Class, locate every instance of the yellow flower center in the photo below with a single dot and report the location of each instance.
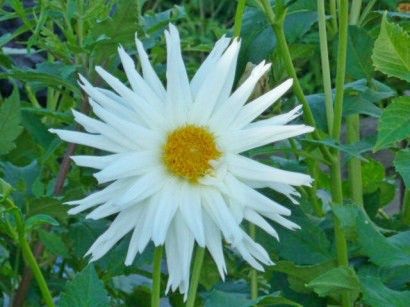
(188, 151)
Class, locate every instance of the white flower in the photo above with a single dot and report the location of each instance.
(175, 172)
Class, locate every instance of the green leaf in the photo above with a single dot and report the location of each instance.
(9, 122)
(218, 298)
(85, 290)
(391, 51)
(336, 281)
(402, 165)
(37, 220)
(359, 64)
(299, 275)
(49, 206)
(54, 243)
(5, 188)
(394, 123)
(274, 299)
(376, 294)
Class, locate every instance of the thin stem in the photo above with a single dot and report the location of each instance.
(277, 23)
(254, 274)
(29, 257)
(366, 11)
(406, 208)
(324, 55)
(240, 9)
(355, 11)
(341, 68)
(196, 273)
(156, 277)
(334, 15)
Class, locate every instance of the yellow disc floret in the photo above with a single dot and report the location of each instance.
(188, 151)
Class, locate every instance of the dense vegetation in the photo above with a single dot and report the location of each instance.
(350, 62)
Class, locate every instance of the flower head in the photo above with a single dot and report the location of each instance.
(174, 171)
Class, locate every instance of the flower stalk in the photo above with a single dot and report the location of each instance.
(196, 273)
(240, 9)
(156, 277)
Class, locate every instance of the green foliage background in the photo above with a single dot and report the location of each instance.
(46, 45)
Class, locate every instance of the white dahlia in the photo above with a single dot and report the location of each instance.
(174, 174)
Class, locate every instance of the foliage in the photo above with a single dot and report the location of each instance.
(46, 44)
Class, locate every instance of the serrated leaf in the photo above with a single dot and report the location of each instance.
(85, 290)
(402, 165)
(394, 123)
(335, 281)
(54, 243)
(391, 51)
(376, 294)
(9, 122)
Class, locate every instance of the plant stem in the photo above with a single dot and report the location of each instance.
(406, 208)
(336, 175)
(366, 11)
(324, 55)
(341, 68)
(332, 5)
(277, 23)
(240, 9)
(254, 274)
(156, 277)
(196, 272)
(353, 132)
(29, 257)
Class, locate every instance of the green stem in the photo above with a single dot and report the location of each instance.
(366, 11)
(277, 23)
(341, 68)
(406, 208)
(336, 175)
(240, 9)
(324, 55)
(333, 10)
(196, 272)
(354, 164)
(29, 257)
(254, 274)
(355, 11)
(156, 277)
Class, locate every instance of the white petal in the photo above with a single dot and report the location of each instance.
(216, 82)
(173, 260)
(136, 235)
(242, 140)
(259, 221)
(214, 244)
(281, 119)
(282, 221)
(240, 192)
(256, 250)
(191, 211)
(148, 72)
(167, 205)
(209, 64)
(121, 225)
(229, 109)
(91, 140)
(97, 162)
(216, 207)
(254, 108)
(249, 169)
(149, 113)
(127, 165)
(141, 136)
(178, 90)
(137, 83)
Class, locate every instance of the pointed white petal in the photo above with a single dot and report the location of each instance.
(136, 235)
(281, 119)
(92, 140)
(97, 162)
(249, 169)
(127, 165)
(215, 81)
(282, 221)
(242, 140)
(209, 64)
(253, 109)
(259, 221)
(229, 109)
(148, 72)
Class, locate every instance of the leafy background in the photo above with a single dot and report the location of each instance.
(44, 45)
